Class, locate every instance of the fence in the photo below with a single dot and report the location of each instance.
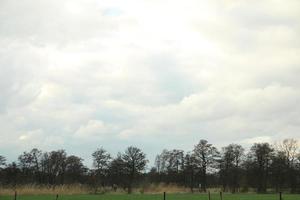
(164, 196)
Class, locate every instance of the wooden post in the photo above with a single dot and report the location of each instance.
(57, 197)
(221, 195)
(15, 198)
(280, 195)
(208, 195)
(164, 195)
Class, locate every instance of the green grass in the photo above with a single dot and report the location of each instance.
(157, 197)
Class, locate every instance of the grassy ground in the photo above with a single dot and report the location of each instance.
(156, 197)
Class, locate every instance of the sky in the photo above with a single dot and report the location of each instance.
(156, 74)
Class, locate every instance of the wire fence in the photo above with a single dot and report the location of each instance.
(163, 196)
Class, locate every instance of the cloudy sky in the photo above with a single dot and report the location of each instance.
(79, 74)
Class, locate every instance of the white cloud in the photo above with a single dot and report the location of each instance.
(260, 139)
(79, 72)
(31, 137)
(93, 129)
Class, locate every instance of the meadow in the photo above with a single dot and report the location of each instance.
(214, 196)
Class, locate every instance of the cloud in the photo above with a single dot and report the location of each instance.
(154, 74)
(260, 139)
(93, 129)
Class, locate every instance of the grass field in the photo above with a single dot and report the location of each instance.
(156, 197)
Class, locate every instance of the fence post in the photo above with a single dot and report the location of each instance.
(164, 195)
(57, 197)
(221, 195)
(280, 195)
(208, 195)
(15, 195)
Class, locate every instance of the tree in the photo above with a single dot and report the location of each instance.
(135, 162)
(260, 158)
(289, 149)
(101, 159)
(12, 174)
(75, 169)
(162, 162)
(190, 169)
(176, 160)
(29, 162)
(117, 172)
(206, 155)
(25, 164)
(278, 170)
(54, 166)
(2, 164)
(2, 161)
(230, 162)
(158, 164)
(170, 164)
(261, 168)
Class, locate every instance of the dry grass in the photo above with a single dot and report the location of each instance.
(159, 188)
(37, 190)
(83, 189)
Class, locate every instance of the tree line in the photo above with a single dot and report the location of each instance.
(264, 167)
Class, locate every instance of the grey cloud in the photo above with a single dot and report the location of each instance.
(47, 22)
(19, 68)
(73, 77)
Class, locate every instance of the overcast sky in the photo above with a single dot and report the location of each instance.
(80, 74)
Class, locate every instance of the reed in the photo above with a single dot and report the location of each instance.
(43, 189)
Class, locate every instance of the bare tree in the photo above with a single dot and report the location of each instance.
(176, 160)
(75, 169)
(101, 160)
(117, 172)
(162, 161)
(289, 148)
(207, 156)
(12, 173)
(260, 159)
(190, 169)
(230, 162)
(54, 165)
(279, 170)
(29, 162)
(2, 161)
(135, 162)
(158, 164)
